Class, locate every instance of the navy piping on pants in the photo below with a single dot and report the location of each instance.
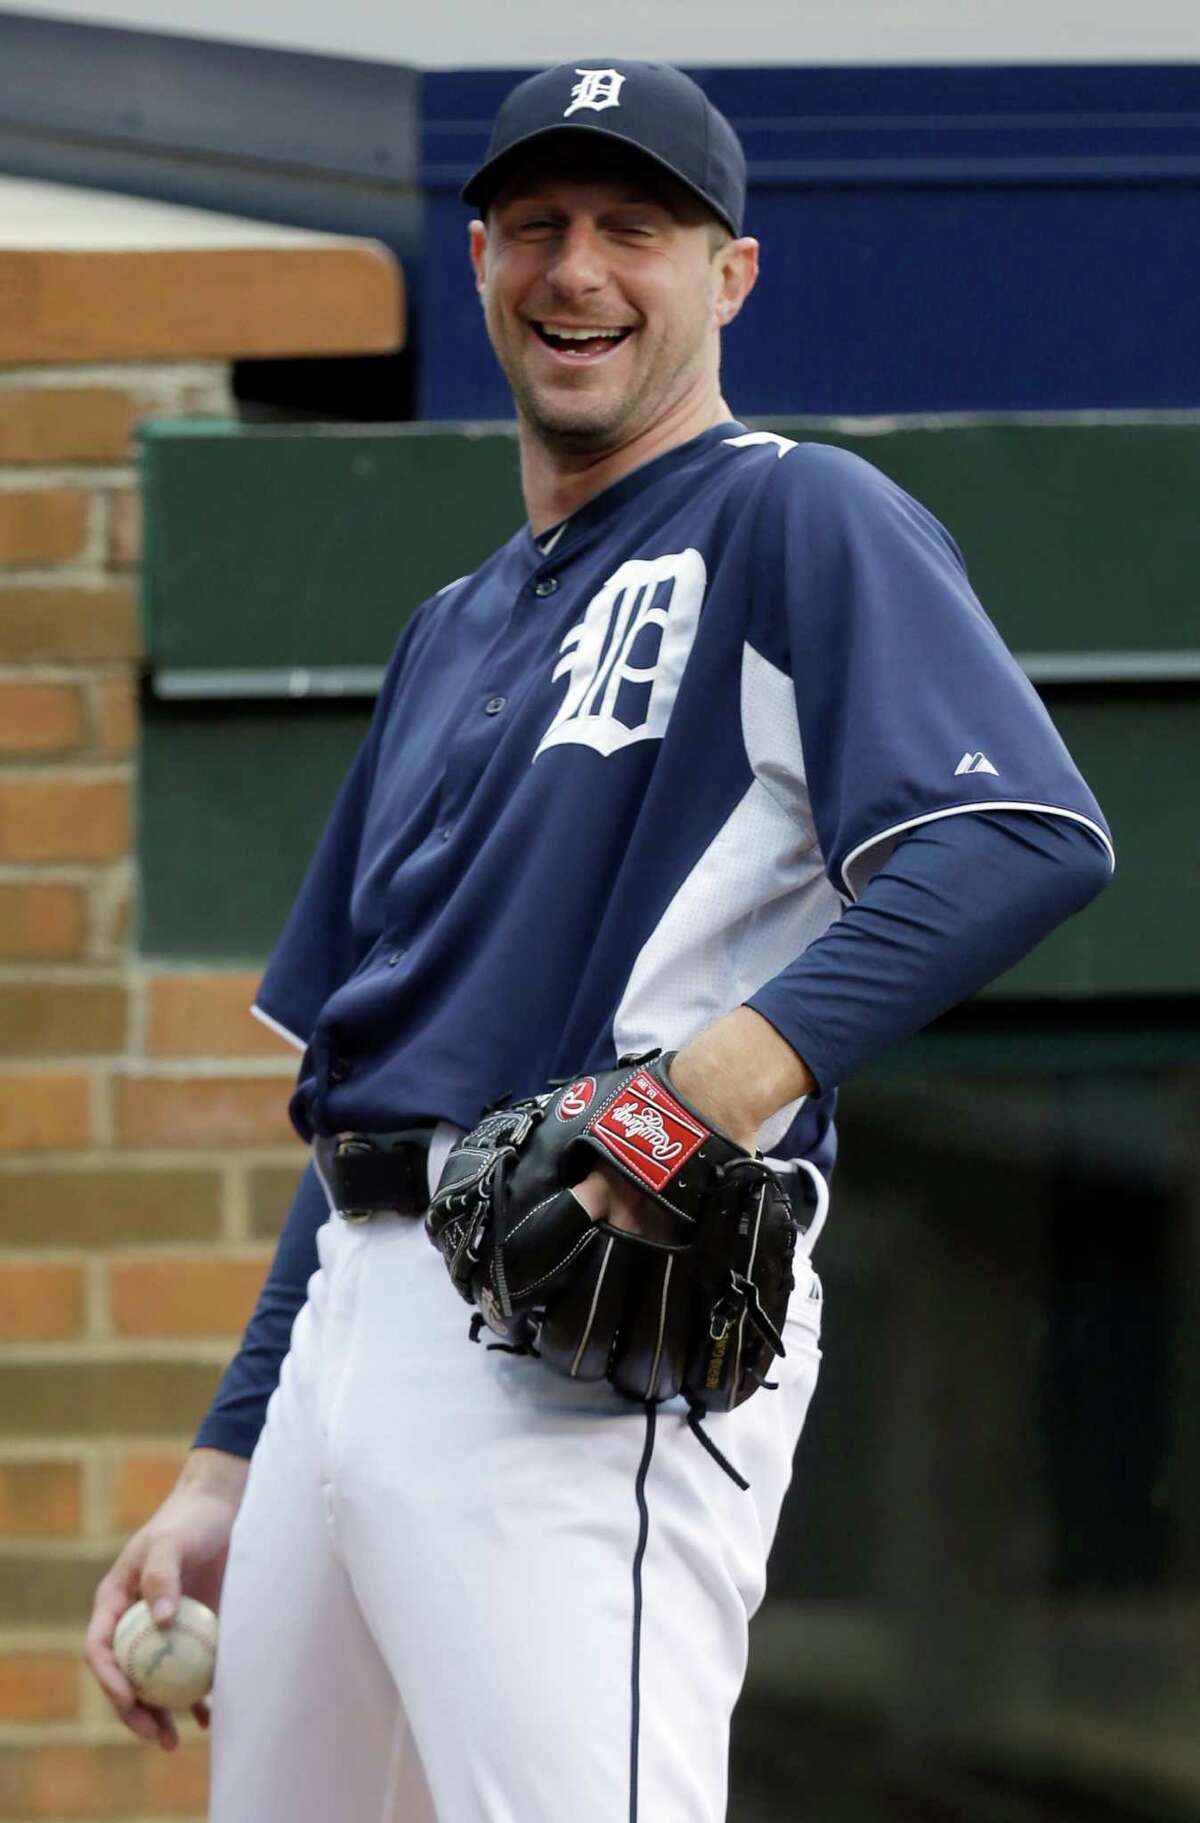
(638, 1556)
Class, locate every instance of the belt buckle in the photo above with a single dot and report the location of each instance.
(352, 1143)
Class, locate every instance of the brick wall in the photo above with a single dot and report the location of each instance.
(145, 1158)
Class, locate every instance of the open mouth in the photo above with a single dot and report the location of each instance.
(584, 343)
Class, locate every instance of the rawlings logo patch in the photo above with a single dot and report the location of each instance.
(574, 1101)
(647, 1131)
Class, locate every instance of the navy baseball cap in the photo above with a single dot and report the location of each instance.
(650, 107)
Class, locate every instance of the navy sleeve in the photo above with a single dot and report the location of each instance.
(910, 706)
(958, 902)
(239, 1407)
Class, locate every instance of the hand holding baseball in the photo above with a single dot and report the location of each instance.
(169, 1665)
(182, 1547)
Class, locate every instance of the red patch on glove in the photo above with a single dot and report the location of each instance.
(647, 1131)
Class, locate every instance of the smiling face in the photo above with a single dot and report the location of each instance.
(605, 285)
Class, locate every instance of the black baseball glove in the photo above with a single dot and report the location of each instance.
(695, 1305)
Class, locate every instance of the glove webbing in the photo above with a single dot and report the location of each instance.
(741, 1302)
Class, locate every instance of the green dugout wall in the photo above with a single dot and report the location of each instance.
(282, 562)
(976, 1596)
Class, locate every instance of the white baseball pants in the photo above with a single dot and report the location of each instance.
(465, 1589)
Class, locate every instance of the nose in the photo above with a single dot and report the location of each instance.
(578, 266)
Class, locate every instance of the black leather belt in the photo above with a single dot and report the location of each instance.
(377, 1173)
(388, 1174)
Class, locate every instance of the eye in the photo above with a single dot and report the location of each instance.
(636, 228)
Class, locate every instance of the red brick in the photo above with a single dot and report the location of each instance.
(54, 623)
(270, 1190)
(40, 1113)
(116, 716)
(125, 529)
(56, 818)
(69, 1781)
(39, 1590)
(42, 921)
(181, 1297)
(116, 933)
(42, 525)
(218, 1111)
(40, 1499)
(137, 1399)
(65, 424)
(40, 1303)
(61, 1018)
(38, 1687)
(208, 1015)
(175, 1783)
(140, 1486)
(109, 1205)
(40, 718)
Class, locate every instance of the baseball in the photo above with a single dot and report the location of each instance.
(171, 1667)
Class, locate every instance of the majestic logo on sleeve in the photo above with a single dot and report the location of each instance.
(597, 89)
(625, 659)
(975, 762)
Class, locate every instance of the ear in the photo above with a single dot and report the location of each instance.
(736, 275)
(477, 240)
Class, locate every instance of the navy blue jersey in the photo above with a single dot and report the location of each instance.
(614, 789)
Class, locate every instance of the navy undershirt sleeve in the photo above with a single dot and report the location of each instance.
(959, 901)
(239, 1407)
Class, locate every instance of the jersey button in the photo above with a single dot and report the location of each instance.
(339, 1069)
(397, 955)
(494, 705)
(546, 586)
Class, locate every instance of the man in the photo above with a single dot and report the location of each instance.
(718, 754)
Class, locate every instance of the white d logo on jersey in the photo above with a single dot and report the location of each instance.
(653, 605)
(598, 89)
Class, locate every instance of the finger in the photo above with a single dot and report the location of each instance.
(161, 1580)
(98, 1652)
(111, 1679)
(580, 1323)
(610, 1198)
(140, 1718)
(143, 1721)
(150, 1723)
(115, 1592)
(168, 1733)
(592, 1195)
(202, 1713)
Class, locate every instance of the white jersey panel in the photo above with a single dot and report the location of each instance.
(756, 898)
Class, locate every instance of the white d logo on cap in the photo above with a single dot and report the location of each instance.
(596, 89)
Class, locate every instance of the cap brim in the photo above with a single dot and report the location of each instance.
(482, 186)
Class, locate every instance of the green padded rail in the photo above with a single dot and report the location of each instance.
(282, 562)
(233, 799)
(280, 549)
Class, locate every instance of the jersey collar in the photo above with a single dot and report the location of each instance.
(604, 506)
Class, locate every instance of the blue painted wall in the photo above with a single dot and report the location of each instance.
(935, 239)
(958, 238)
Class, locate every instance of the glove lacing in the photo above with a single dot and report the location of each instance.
(740, 1302)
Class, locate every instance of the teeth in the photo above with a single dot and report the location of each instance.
(580, 335)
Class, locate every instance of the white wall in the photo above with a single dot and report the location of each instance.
(530, 32)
